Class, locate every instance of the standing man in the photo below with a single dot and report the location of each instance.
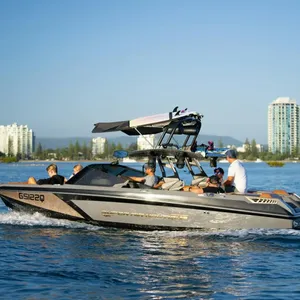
(237, 175)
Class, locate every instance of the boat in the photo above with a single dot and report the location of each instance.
(258, 160)
(223, 161)
(102, 194)
(129, 160)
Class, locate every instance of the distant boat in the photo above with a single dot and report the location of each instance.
(129, 160)
(223, 161)
(258, 160)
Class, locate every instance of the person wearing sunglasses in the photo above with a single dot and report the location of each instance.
(213, 185)
(219, 172)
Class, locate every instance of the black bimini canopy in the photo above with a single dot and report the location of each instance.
(124, 126)
(146, 125)
(111, 126)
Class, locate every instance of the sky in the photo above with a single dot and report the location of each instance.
(68, 64)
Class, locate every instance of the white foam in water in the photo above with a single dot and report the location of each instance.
(257, 232)
(238, 233)
(37, 219)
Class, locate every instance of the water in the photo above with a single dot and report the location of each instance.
(44, 258)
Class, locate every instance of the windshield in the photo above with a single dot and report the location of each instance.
(103, 175)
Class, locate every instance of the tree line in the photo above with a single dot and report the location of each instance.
(252, 152)
(83, 151)
(79, 151)
(74, 151)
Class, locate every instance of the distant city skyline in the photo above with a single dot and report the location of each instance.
(66, 65)
(271, 129)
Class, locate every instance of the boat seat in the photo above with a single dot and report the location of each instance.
(122, 184)
(200, 182)
(172, 184)
(100, 181)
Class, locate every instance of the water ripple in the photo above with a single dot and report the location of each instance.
(43, 258)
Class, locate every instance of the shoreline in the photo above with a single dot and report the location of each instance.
(144, 161)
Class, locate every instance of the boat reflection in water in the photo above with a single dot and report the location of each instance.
(193, 264)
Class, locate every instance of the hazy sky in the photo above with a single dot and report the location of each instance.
(67, 64)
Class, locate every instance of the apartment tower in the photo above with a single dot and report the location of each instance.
(145, 142)
(98, 145)
(283, 126)
(16, 139)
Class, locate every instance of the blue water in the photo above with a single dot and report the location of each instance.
(44, 258)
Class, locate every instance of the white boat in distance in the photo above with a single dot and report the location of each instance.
(129, 160)
(223, 161)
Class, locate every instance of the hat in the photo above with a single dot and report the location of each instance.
(231, 153)
(148, 166)
(219, 170)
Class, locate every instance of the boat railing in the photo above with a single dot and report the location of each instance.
(188, 127)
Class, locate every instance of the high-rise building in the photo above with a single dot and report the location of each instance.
(16, 139)
(98, 145)
(145, 142)
(283, 125)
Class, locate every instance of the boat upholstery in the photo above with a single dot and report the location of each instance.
(200, 182)
(172, 184)
(121, 185)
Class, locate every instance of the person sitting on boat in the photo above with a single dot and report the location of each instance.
(237, 175)
(76, 169)
(150, 179)
(213, 185)
(219, 172)
(54, 178)
(205, 181)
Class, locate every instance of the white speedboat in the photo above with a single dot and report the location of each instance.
(102, 194)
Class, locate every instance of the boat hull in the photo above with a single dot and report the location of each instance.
(147, 208)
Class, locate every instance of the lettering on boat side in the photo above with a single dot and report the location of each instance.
(107, 213)
(33, 197)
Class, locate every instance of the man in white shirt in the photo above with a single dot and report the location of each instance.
(237, 175)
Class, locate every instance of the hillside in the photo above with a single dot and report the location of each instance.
(53, 143)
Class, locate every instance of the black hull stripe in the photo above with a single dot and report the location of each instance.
(107, 198)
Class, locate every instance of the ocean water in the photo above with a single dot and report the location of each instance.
(44, 258)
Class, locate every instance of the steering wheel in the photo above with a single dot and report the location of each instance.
(133, 184)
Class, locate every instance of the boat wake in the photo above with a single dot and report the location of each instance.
(37, 219)
(234, 234)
